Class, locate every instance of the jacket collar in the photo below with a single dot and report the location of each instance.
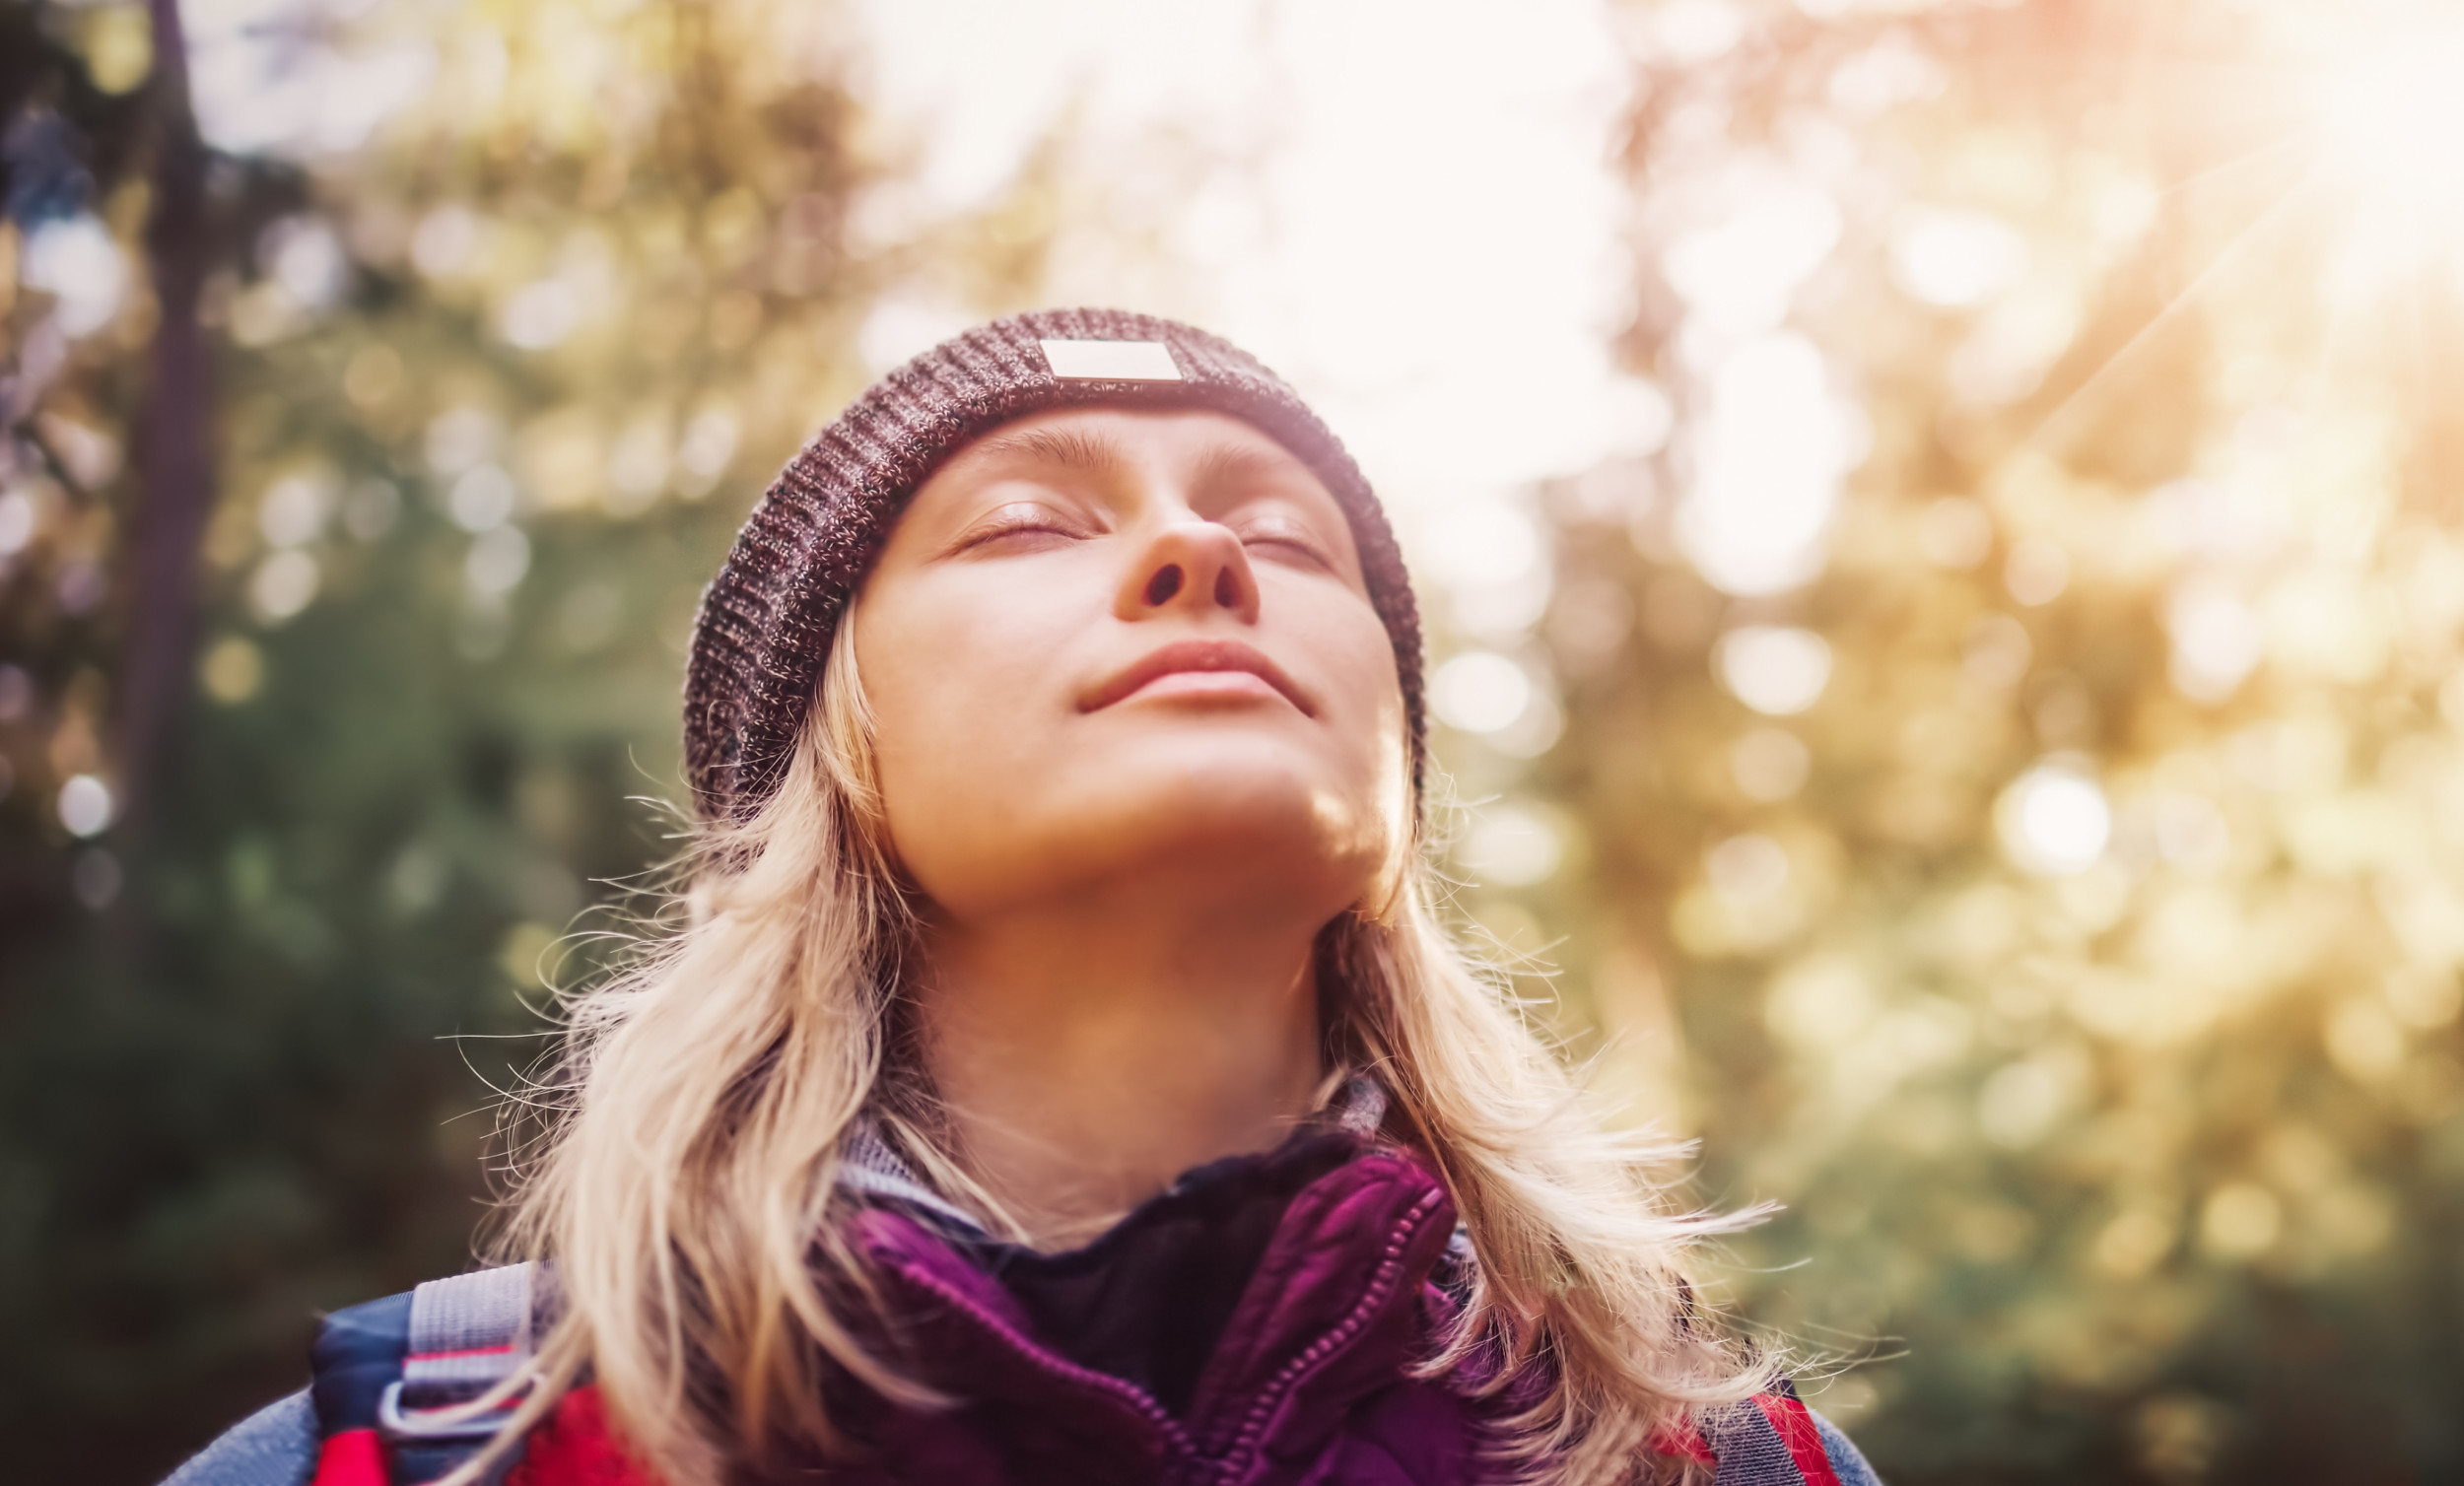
(1338, 1307)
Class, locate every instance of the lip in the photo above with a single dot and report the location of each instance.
(1197, 658)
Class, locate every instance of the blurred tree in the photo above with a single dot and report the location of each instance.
(510, 308)
(2021, 736)
(175, 477)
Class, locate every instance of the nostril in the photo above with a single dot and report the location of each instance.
(1165, 583)
(1227, 590)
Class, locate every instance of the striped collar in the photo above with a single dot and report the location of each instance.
(871, 1169)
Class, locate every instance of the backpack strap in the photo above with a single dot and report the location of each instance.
(467, 1334)
(274, 1446)
(1769, 1440)
(1772, 1439)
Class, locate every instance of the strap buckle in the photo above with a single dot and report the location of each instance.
(400, 1422)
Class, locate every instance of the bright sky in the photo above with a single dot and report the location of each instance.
(1424, 239)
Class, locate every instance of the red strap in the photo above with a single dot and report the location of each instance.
(1795, 1423)
(499, 1351)
(575, 1446)
(1682, 1441)
(352, 1458)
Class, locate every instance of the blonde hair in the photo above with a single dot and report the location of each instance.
(685, 1183)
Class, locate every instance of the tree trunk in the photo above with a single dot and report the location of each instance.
(174, 445)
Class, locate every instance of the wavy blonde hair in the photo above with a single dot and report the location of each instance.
(684, 1183)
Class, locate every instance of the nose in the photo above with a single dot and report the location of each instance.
(1189, 567)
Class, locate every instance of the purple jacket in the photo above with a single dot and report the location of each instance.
(1307, 1378)
(1258, 1324)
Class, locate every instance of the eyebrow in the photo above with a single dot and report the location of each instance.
(1065, 447)
(1232, 463)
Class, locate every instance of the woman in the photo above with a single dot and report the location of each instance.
(1059, 1072)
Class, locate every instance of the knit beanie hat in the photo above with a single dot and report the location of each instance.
(768, 619)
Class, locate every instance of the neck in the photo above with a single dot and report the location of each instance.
(1085, 1058)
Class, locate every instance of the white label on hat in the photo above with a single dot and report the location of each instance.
(1111, 360)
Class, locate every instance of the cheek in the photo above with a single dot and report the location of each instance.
(1359, 668)
(1364, 699)
(959, 687)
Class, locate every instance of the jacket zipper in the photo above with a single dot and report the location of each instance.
(1382, 1284)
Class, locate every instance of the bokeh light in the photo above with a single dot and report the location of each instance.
(1775, 670)
(1480, 692)
(85, 805)
(2055, 820)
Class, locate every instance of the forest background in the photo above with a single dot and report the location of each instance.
(1968, 726)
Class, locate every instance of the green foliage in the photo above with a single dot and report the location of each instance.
(2136, 1156)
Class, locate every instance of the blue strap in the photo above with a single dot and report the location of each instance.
(274, 1446)
(1847, 1462)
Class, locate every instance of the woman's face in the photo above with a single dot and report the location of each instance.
(1128, 653)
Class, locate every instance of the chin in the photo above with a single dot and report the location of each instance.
(1244, 819)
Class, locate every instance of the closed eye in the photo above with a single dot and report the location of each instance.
(1019, 525)
(1286, 542)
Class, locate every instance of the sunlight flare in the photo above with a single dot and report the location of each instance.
(2396, 114)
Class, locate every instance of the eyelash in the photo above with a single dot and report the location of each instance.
(1293, 541)
(1034, 524)
(1019, 526)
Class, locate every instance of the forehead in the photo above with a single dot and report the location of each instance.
(1095, 437)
